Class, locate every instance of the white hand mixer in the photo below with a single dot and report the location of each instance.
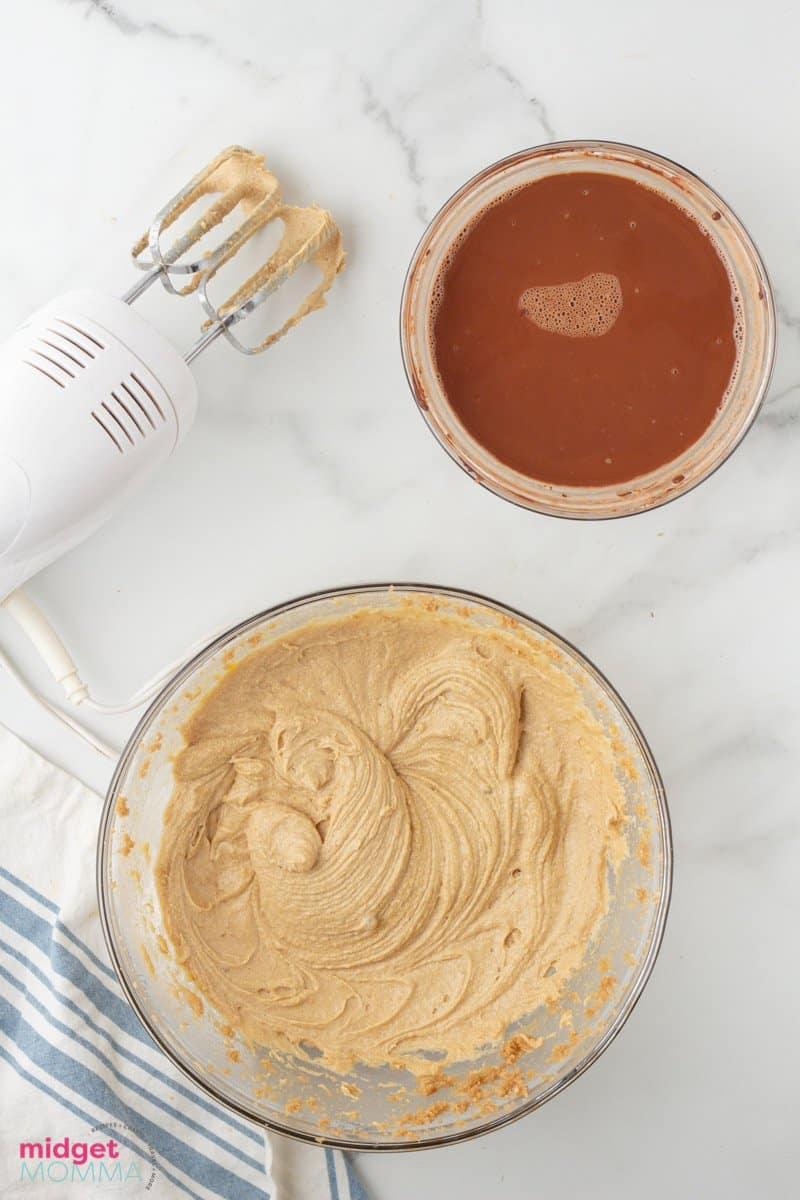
(93, 397)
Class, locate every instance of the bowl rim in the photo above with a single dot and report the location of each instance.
(664, 832)
(503, 491)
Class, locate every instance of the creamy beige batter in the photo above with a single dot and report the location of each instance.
(390, 833)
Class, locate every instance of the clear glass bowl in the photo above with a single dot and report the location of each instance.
(232, 1071)
(733, 244)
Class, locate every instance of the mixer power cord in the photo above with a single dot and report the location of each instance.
(61, 666)
(97, 743)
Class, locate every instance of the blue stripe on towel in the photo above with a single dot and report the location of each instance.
(90, 954)
(90, 1120)
(71, 1073)
(29, 891)
(356, 1186)
(36, 930)
(331, 1165)
(58, 923)
(134, 1087)
(174, 1084)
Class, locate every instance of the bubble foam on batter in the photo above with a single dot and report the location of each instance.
(588, 307)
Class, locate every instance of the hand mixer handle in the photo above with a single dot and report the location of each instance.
(92, 398)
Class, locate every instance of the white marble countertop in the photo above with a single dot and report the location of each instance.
(310, 467)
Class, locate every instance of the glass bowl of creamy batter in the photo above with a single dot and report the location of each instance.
(588, 329)
(385, 867)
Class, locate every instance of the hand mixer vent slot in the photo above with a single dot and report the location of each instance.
(53, 363)
(44, 372)
(60, 355)
(132, 399)
(145, 391)
(130, 414)
(78, 351)
(83, 334)
(117, 421)
(106, 431)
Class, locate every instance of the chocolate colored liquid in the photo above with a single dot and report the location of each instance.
(585, 330)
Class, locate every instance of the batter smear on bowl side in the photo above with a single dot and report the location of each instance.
(390, 834)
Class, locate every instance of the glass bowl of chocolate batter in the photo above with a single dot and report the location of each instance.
(587, 329)
(385, 867)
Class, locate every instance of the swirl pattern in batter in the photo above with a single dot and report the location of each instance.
(390, 834)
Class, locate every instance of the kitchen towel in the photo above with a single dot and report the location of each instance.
(86, 1098)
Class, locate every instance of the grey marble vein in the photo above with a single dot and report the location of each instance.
(381, 114)
(538, 107)
(127, 26)
(774, 415)
(785, 316)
